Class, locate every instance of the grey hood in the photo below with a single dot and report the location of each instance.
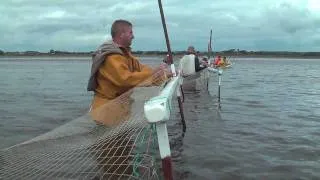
(98, 57)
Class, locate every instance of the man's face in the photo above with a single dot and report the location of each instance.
(191, 50)
(127, 36)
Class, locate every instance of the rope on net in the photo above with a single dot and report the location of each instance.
(82, 149)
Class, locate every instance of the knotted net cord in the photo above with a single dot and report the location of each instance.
(83, 149)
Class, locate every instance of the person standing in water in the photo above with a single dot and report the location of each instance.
(115, 70)
(198, 66)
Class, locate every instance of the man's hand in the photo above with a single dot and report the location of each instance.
(168, 73)
(160, 68)
(163, 71)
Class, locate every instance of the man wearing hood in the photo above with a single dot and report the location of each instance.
(198, 66)
(114, 71)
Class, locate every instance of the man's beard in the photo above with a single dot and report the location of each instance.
(129, 43)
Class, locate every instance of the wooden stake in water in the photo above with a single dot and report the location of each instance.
(219, 88)
(184, 126)
(209, 45)
(209, 55)
(170, 60)
(165, 154)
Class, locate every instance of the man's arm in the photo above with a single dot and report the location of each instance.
(159, 74)
(116, 69)
(197, 64)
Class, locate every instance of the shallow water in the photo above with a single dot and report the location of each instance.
(267, 128)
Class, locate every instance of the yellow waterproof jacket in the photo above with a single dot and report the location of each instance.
(117, 74)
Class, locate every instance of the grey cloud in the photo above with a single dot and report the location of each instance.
(236, 24)
(289, 18)
(51, 27)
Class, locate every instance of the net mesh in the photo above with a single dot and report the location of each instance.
(197, 82)
(83, 149)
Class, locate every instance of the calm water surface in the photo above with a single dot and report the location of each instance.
(268, 126)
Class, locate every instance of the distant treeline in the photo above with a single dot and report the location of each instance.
(230, 52)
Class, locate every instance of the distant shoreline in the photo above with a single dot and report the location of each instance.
(234, 53)
(156, 55)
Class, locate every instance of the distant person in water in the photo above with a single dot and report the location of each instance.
(198, 66)
(191, 50)
(205, 61)
(217, 61)
(224, 61)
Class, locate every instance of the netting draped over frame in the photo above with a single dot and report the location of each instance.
(82, 149)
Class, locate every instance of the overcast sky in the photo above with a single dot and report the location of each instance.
(82, 25)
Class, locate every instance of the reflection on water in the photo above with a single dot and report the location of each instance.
(267, 128)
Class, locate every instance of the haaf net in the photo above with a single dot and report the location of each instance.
(82, 149)
(125, 149)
